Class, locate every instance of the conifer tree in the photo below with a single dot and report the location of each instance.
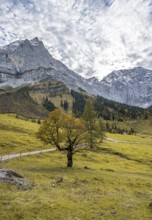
(89, 117)
(101, 128)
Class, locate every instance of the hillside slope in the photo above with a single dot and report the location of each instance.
(114, 180)
(20, 102)
(18, 135)
(36, 101)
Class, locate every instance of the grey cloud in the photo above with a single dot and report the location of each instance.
(134, 56)
(86, 35)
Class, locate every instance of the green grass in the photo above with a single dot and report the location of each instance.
(101, 185)
(132, 147)
(18, 135)
(131, 138)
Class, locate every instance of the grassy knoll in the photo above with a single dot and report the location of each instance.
(18, 135)
(19, 101)
(57, 101)
(112, 182)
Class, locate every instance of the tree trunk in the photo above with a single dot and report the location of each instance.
(91, 139)
(69, 159)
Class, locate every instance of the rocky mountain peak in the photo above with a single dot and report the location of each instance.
(93, 80)
(31, 62)
(127, 75)
(130, 86)
(28, 54)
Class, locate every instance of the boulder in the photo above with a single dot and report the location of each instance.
(11, 177)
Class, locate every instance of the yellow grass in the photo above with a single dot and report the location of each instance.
(18, 135)
(101, 185)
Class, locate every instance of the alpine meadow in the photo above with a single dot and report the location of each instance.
(75, 110)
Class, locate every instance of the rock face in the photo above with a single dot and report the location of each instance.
(13, 178)
(7, 67)
(30, 55)
(28, 61)
(131, 86)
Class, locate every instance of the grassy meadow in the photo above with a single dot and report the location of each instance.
(17, 135)
(113, 181)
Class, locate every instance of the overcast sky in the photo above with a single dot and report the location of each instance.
(92, 37)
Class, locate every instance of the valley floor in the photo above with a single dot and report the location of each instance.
(113, 181)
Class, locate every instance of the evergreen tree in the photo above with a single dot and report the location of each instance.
(65, 105)
(49, 105)
(78, 104)
(101, 129)
(89, 117)
(61, 103)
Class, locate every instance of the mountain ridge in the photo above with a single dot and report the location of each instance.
(130, 86)
(28, 61)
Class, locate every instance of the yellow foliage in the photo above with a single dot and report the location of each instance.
(63, 130)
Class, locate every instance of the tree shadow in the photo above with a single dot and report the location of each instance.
(59, 170)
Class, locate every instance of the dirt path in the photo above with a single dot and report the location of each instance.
(11, 156)
(129, 142)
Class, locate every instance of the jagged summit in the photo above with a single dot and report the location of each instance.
(27, 61)
(14, 45)
(130, 86)
(93, 80)
(29, 54)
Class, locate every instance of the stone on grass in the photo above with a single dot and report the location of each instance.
(59, 179)
(150, 205)
(11, 177)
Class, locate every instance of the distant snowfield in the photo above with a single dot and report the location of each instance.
(92, 37)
